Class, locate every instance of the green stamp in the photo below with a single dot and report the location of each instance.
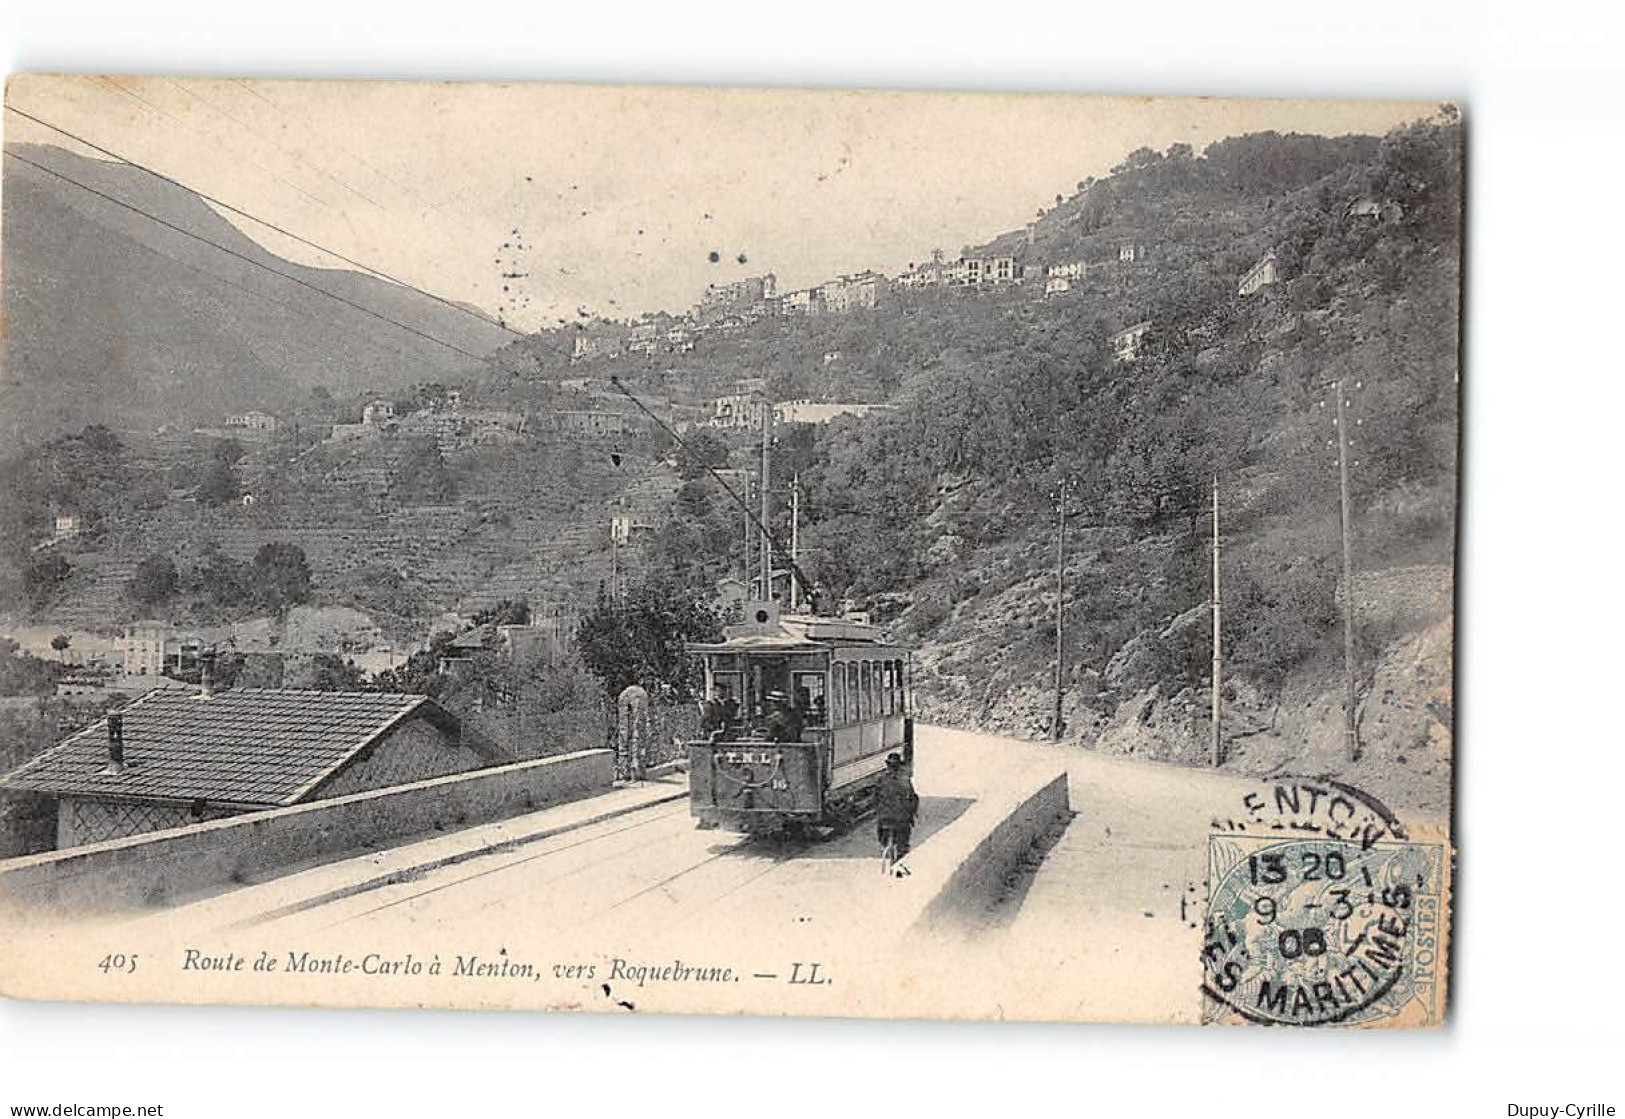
(1323, 930)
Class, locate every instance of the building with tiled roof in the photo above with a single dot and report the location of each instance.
(173, 757)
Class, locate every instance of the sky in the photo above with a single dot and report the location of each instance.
(535, 201)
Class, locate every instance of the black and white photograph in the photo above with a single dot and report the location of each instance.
(600, 618)
(695, 570)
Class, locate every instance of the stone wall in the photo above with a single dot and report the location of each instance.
(167, 867)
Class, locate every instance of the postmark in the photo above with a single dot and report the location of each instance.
(1322, 913)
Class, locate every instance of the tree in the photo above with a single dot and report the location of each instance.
(155, 580)
(223, 580)
(642, 639)
(60, 643)
(280, 576)
(44, 576)
(423, 477)
(218, 485)
(701, 450)
(326, 672)
(508, 612)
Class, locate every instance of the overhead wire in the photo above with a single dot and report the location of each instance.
(378, 272)
(244, 257)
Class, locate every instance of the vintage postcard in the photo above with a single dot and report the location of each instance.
(728, 551)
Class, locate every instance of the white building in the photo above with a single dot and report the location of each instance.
(1126, 343)
(253, 421)
(141, 649)
(1069, 270)
(377, 412)
(819, 411)
(1259, 275)
(1057, 285)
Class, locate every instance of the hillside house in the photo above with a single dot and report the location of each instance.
(586, 423)
(819, 411)
(737, 410)
(173, 758)
(253, 422)
(377, 412)
(1259, 275)
(65, 526)
(1129, 252)
(1067, 270)
(796, 303)
(1126, 342)
(1057, 285)
(541, 639)
(142, 649)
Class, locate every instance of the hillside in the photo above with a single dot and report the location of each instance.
(940, 516)
(113, 318)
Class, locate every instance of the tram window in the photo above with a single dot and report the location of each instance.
(866, 702)
(809, 696)
(838, 694)
(854, 694)
(902, 690)
(732, 683)
(891, 688)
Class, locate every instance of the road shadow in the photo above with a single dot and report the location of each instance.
(859, 842)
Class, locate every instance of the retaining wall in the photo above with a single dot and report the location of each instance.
(165, 867)
(966, 865)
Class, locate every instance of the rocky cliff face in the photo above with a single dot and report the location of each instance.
(1131, 707)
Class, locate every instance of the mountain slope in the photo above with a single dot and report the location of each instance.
(111, 317)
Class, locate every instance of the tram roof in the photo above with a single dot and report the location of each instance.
(793, 633)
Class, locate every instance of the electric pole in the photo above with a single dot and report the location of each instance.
(1217, 754)
(1060, 614)
(1350, 728)
(795, 534)
(767, 543)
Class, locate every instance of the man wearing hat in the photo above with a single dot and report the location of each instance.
(896, 805)
(784, 723)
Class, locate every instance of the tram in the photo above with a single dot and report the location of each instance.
(849, 688)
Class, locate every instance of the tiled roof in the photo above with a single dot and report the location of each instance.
(247, 746)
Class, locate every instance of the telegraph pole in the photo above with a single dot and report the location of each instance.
(1060, 614)
(1217, 755)
(767, 544)
(795, 533)
(1350, 729)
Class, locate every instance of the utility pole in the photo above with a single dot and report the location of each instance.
(767, 544)
(614, 561)
(1060, 614)
(795, 535)
(1350, 729)
(1217, 755)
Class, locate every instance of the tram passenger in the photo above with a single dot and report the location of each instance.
(719, 713)
(784, 722)
(896, 806)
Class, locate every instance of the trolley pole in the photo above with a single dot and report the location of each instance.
(1217, 749)
(767, 544)
(1060, 614)
(1350, 728)
(795, 534)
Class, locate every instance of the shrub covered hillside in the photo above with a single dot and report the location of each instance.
(941, 514)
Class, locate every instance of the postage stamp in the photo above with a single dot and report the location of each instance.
(1320, 915)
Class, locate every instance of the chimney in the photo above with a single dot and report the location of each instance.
(206, 673)
(115, 743)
